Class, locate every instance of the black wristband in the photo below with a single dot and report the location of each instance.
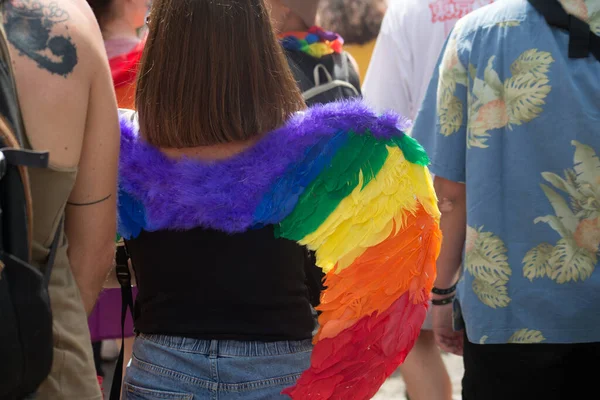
(441, 292)
(443, 302)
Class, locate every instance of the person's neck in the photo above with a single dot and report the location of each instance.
(294, 24)
(118, 29)
(216, 152)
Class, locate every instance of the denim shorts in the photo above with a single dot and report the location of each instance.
(170, 367)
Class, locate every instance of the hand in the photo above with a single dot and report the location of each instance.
(445, 336)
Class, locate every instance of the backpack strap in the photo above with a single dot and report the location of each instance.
(344, 70)
(582, 41)
(124, 278)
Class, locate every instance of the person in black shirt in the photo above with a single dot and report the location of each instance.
(225, 176)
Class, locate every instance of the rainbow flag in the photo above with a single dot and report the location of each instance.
(342, 181)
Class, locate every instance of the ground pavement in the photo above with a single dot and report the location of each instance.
(394, 388)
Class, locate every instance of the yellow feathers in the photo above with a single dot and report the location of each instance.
(365, 217)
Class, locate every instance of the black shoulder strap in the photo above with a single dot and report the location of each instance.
(124, 277)
(582, 41)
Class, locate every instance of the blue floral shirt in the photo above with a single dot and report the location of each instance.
(511, 116)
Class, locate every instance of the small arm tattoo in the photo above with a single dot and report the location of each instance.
(28, 25)
(91, 203)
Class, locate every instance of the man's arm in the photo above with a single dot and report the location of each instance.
(445, 140)
(452, 204)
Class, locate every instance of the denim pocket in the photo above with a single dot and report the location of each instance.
(133, 392)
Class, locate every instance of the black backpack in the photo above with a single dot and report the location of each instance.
(25, 317)
(326, 79)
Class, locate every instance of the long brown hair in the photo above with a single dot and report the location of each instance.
(212, 72)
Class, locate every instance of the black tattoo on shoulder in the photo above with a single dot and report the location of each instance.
(28, 25)
(91, 203)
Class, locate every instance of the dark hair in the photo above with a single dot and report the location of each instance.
(357, 21)
(101, 9)
(212, 72)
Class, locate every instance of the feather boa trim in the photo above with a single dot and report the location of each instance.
(344, 182)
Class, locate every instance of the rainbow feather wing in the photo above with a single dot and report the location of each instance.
(371, 216)
(340, 180)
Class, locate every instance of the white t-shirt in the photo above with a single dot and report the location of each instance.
(412, 35)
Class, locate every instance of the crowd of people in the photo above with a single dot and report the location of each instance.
(307, 196)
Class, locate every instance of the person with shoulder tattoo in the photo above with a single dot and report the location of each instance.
(69, 109)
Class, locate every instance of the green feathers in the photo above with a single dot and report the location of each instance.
(362, 153)
(413, 151)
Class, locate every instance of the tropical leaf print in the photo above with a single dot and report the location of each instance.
(487, 110)
(451, 115)
(524, 97)
(577, 222)
(526, 91)
(571, 263)
(491, 116)
(494, 104)
(587, 235)
(535, 263)
(526, 336)
(568, 220)
(452, 73)
(532, 62)
(477, 137)
(568, 185)
(587, 165)
(487, 258)
(492, 294)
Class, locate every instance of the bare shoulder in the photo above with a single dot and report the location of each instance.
(53, 34)
(57, 53)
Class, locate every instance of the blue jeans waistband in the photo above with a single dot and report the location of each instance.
(231, 348)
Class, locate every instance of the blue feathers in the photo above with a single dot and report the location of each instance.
(281, 199)
(132, 216)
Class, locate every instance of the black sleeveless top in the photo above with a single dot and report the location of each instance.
(208, 284)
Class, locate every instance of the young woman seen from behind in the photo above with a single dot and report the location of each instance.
(224, 176)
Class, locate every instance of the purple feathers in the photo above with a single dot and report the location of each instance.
(224, 195)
